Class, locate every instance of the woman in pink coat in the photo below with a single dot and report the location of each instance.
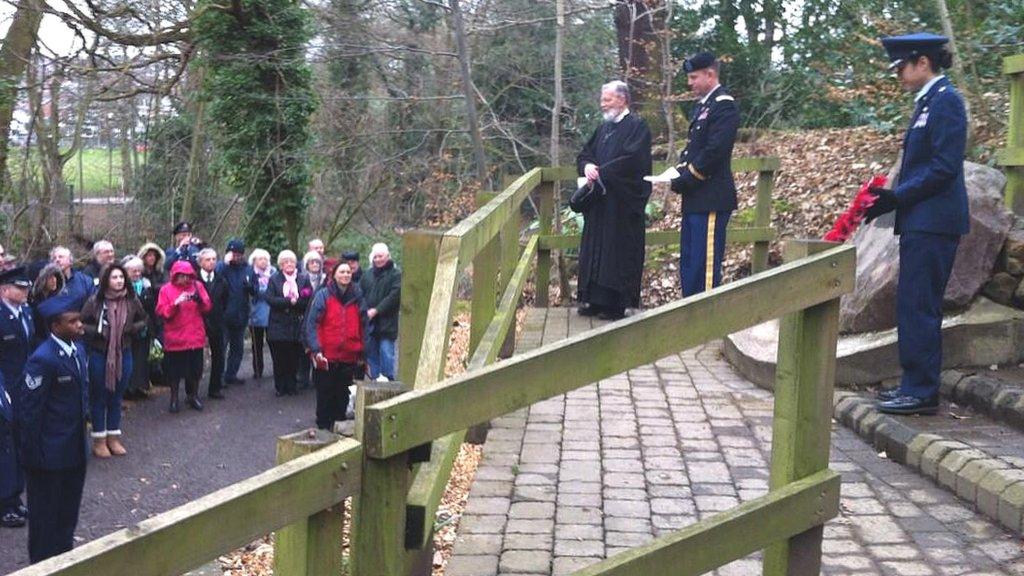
(182, 303)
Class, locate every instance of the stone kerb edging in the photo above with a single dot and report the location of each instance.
(992, 485)
(986, 394)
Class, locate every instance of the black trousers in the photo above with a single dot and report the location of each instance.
(187, 364)
(215, 340)
(258, 336)
(286, 356)
(54, 498)
(332, 393)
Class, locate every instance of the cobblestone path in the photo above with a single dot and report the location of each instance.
(578, 478)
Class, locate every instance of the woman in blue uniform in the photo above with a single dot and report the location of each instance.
(930, 200)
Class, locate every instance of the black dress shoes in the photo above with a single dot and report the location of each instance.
(617, 314)
(588, 310)
(12, 519)
(173, 409)
(195, 404)
(890, 394)
(909, 405)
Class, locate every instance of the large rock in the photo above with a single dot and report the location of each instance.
(872, 305)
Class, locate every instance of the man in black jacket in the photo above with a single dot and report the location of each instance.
(382, 288)
(705, 181)
(217, 287)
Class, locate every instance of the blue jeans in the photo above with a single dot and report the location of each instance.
(106, 405)
(380, 357)
(235, 341)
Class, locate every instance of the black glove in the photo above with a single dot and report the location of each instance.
(885, 202)
(685, 182)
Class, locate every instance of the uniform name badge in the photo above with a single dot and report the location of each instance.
(922, 120)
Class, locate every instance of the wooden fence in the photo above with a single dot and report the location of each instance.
(1011, 158)
(397, 468)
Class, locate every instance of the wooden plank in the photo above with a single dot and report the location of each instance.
(1013, 195)
(378, 512)
(1010, 157)
(485, 291)
(730, 535)
(801, 425)
(483, 225)
(746, 164)
(312, 545)
(419, 264)
(181, 539)
(762, 219)
(427, 489)
(734, 235)
(505, 317)
(434, 344)
(1013, 64)
(477, 396)
(547, 200)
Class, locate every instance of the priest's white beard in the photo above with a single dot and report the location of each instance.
(611, 115)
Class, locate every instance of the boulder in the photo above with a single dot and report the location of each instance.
(872, 305)
(1012, 257)
(1001, 287)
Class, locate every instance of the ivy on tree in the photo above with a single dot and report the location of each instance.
(259, 97)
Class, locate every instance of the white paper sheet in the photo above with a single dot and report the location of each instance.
(666, 176)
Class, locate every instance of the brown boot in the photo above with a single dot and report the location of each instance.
(99, 448)
(115, 446)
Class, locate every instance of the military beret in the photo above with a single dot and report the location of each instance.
(350, 255)
(699, 61)
(16, 276)
(908, 46)
(183, 227)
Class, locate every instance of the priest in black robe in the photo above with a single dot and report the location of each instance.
(615, 160)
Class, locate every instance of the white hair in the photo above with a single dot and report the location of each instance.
(379, 248)
(206, 253)
(57, 250)
(102, 245)
(133, 262)
(258, 253)
(286, 255)
(619, 87)
(311, 255)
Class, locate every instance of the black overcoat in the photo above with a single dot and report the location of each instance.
(612, 248)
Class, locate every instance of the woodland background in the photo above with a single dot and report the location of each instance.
(352, 120)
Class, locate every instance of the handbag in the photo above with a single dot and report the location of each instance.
(585, 197)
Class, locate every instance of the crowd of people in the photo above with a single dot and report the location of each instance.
(75, 343)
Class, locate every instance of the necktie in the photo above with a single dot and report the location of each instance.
(24, 323)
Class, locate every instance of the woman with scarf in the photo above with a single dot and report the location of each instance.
(112, 317)
(181, 305)
(288, 294)
(334, 338)
(259, 312)
(138, 387)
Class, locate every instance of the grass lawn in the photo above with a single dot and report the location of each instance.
(101, 170)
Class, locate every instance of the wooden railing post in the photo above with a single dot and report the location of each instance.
(485, 284)
(762, 218)
(378, 513)
(803, 414)
(312, 546)
(419, 262)
(1012, 157)
(546, 192)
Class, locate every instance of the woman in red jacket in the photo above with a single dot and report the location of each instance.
(182, 304)
(333, 334)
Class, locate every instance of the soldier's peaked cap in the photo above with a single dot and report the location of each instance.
(907, 46)
(699, 61)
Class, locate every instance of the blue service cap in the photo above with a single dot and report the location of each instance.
(908, 46)
(59, 304)
(698, 61)
(17, 276)
(236, 245)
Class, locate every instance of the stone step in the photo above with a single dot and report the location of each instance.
(979, 459)
(999, 395)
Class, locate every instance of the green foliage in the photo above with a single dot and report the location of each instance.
(259, 98)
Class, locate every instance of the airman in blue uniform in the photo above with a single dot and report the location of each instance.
(931, 207)
(705, 182)
(16, 338)
(186, 247)
(50, 415)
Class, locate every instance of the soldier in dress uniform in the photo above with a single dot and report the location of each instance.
(16, 337)
(930, 201)
(186, 247)
(705, 179)
(50, 413)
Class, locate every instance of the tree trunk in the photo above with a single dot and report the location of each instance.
(14, 56)
(958, 66)
(196, 156)
(639, 26)
(479, 157)
(556, 133)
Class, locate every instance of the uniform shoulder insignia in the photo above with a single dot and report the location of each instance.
(724, 98)
(33, 382)
(943, 89)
